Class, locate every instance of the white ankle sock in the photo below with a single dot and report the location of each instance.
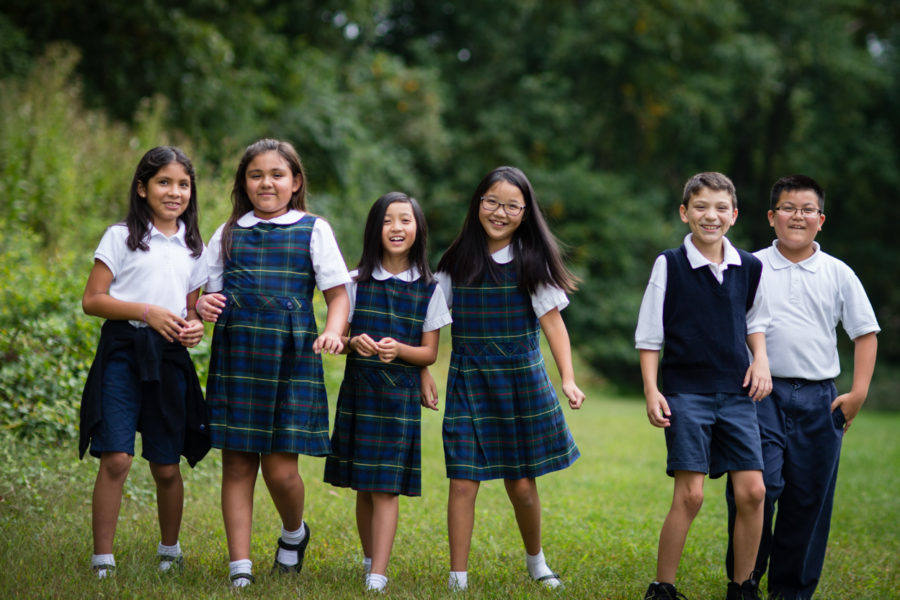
(375, 582)
(244, 565)
(459, 580)
(173, 551)
(290, 557)
(537, 568)
(101, 563)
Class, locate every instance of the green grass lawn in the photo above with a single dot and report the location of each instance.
(601, 521)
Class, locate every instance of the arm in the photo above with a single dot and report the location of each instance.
(210, 306)
(758, 376)
(657, 408)
(421, 356)
(864, 351)
(191, 335)
(558, 338)
(335, 323)
(98, 303)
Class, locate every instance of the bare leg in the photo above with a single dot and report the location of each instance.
(239, 471)
(749, 494)
(364, 510)
(523, 494)
(686, 501)
(280, 473)
(169, 500)
(383, 528)
(107, 498)
(461, 521)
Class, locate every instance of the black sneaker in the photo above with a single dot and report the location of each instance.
(299, 548)
(663, 591)
(749, 590)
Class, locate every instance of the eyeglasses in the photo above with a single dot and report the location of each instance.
(791, 210)
(491, 204)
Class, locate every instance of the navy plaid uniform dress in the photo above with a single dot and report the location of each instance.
(266, 390)
(375, 444)
(503, 418)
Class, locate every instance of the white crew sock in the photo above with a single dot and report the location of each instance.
(459, 580)
(375, 582)
(102, 564)
(537, 567)
(290, 558)
(170, 552)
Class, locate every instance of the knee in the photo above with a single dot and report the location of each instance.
(281, 479)
(689, 501)
(750, 496)
(115, 465)
(166, 476)
(522, 492)
(463, 489)
(239, 466)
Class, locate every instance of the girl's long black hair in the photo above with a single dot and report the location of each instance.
(140, 216)
(537, 257)
(373, 248)
(240, 201)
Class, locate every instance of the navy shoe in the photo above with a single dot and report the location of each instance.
(663, 591)
(300, 549)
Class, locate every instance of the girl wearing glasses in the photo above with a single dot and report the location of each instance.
(505, 280)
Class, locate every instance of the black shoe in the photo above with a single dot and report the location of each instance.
(299, 548)
(749, 590)
(663, 591)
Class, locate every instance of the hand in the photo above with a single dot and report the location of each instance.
(210, 306)
(658, 409)
(850, 404)
(165, 322)
(429, 395)
(191, 335)
(575, 395)
(329, 343)
(387, 349)
(759, 379)
(363, 345)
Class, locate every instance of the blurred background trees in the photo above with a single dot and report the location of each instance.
(608, 106)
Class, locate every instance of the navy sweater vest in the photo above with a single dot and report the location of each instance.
(705, 325)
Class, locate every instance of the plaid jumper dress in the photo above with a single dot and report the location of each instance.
(375, 443)
(503, 418)
(266, 390)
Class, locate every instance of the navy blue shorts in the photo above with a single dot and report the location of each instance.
(712, 433)
(122, 416)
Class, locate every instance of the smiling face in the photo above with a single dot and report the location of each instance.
(498, 224)
(796, 232)
(709, 215)
(168, 194)
(398, 233)
(270, 183)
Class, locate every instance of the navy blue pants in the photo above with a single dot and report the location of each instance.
(801, 443)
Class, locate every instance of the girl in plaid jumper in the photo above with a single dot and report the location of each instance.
(266, 388)
(505, 280)
(397, 311)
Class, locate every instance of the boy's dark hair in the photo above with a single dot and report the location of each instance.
(710, 180)
(373, 248)
(240, 201)
(796, 183)
(140, 216)
(535, 249)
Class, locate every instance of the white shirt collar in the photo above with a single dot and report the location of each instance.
(503, 255)
(177, 236)
(697, 260)
(409, 275)
(778, 261)
(289, 218)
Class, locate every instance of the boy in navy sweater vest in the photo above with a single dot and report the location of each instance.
(705, 305)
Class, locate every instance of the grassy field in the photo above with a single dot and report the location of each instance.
(601, 521)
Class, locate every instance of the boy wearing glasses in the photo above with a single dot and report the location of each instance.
(803, 421)
(705, 303)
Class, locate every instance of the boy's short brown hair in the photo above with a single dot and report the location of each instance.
(711, 180)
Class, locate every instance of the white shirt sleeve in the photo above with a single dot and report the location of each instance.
(438, 313)
(759, 316)
(328, 262)
(445, 282)
(111, 250)
(199, 272)
(649, 334)
(546, 298)
(215, 262)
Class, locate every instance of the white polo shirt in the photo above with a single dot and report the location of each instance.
(436, 315)
(163, 275)
(543, 300)
(807, 299)
(328, 262)
(649, 334)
